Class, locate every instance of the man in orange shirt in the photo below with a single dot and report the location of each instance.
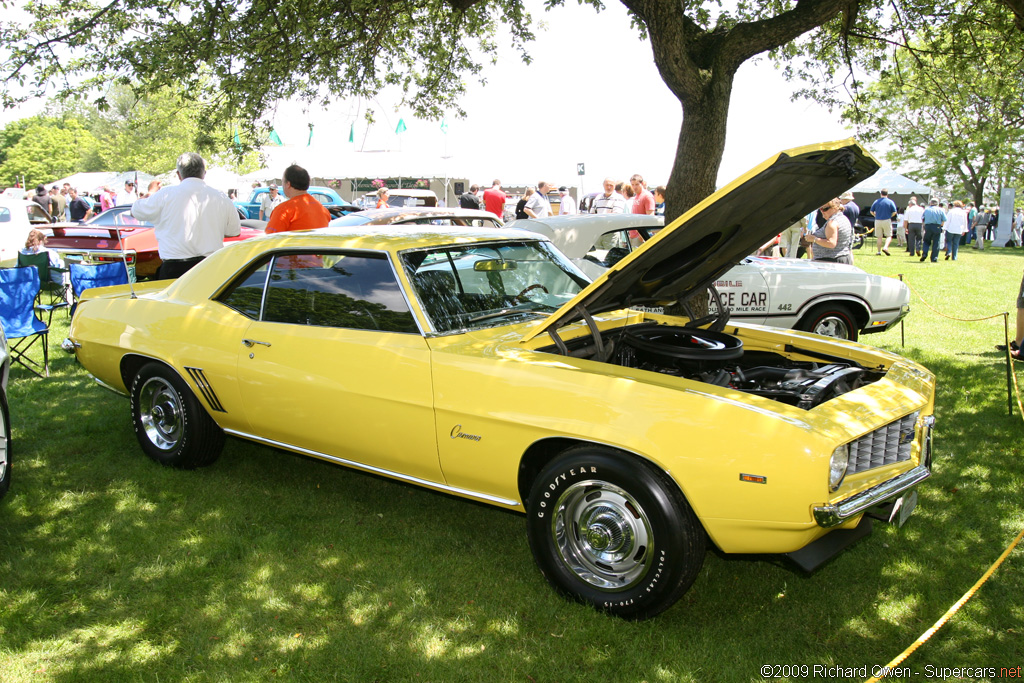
(302, 211)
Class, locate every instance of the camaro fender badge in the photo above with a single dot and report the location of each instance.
(457, 433)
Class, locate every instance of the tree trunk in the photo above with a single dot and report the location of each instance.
(701, 137)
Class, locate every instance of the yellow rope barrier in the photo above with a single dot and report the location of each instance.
(985, 577)
(940, 313)
(949, 613)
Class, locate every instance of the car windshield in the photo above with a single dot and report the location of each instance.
(484, 285)
(119, 217)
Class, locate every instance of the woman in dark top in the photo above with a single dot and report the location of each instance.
(521, 204)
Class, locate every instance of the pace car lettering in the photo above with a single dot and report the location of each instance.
(747, 301)
(728, 283)
(457, 433)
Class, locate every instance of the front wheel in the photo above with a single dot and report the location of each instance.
(170, 424)
(612, 532)
(830, 320)
(5, 446)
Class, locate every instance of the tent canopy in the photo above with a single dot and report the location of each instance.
(900, 189)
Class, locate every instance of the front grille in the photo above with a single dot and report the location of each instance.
(884, 446)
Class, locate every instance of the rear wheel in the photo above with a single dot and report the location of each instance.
(610, 531)
(5, 446)
(170, 424)
(830, 320)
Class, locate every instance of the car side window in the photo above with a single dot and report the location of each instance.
(322, 198)
(5, 214)
(246, 294)
(351, 291)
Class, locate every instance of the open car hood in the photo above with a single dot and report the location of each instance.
(694, 250)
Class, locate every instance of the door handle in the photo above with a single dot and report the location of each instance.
(252, 342)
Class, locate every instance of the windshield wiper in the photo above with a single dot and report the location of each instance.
(505, 311)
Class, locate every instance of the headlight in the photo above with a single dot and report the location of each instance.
(837, 466)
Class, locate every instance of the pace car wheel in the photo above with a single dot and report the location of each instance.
(5, 446)
(830, 320)
(170, 424)
(610, 531)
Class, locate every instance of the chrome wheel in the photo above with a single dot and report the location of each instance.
(161, 414)
(833, 325)
(602, 535)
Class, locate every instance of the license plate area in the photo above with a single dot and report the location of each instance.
(903, 507)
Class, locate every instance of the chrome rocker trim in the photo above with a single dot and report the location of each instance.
(835, 514)
(376, 470)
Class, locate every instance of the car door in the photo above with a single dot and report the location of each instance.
(745, 292)
(333, 362)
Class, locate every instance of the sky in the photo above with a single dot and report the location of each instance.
(592, 95)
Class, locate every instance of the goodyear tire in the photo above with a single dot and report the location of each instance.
(610, 531)
(170, 424)
(830, 320)
(5, 446)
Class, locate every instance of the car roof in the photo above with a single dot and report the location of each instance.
(575, 234)
(397, 214)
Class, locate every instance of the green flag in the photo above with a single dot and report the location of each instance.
(352, 132)
(401, 127)
(444, 126)
(310, 140)
(275, 139)
(238, 140)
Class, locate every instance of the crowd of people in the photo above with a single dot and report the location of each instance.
(535, 202)
(830, 233)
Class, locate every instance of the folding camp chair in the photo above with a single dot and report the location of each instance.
(51, 282)
(18, 289)
(102, 275)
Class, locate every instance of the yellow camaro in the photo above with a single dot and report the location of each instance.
(483, 363)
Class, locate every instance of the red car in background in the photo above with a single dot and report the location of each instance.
(96, 240)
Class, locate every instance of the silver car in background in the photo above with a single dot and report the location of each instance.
(832, 299)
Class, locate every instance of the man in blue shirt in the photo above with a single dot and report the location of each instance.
(934, 218)
(884, 211)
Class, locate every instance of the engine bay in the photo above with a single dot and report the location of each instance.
(717, 358)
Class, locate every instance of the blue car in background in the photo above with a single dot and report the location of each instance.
(331, 200)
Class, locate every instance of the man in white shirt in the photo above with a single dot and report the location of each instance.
(270, 201)
(567, 205)
(129, 195)
(191, 219)
(609, 202)
(537, 206)
(913, 221)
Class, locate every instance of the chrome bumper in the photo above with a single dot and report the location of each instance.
(835, 514)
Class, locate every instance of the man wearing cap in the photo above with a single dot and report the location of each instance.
(850, 208)
(567, 205)
(270, 200)
(130, 195)
(537, 206)
(884, 211)
(934, 218)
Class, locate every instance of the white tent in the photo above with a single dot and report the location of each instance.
(86, 183)
(888, 179)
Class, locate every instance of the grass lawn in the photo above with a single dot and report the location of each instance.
(268, 565)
